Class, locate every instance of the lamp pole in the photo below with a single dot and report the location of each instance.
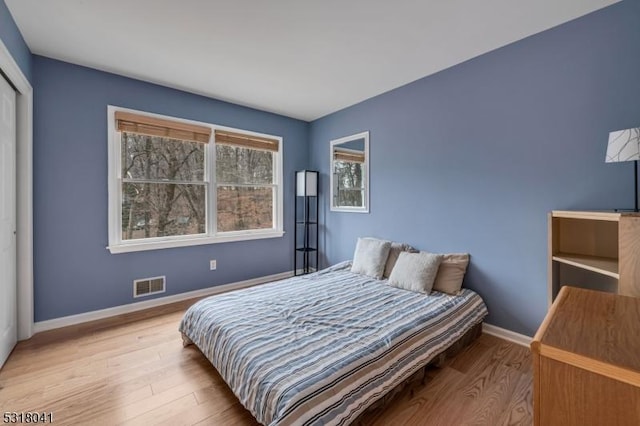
(635, 180)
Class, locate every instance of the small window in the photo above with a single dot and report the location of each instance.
(164, 191)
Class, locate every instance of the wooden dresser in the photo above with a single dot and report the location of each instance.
(586, 360)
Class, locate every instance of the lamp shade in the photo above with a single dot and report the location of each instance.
(307, 183)
(624, 145)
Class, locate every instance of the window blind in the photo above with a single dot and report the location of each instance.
(151, 126)
(225, 137)
(348, 155)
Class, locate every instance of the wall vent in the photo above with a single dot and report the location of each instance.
(149, 286)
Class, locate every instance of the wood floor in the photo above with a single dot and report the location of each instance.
(133, 370)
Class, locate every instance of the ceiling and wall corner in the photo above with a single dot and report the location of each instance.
(13, 40)
(299, 59)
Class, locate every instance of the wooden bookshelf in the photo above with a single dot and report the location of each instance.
(594, 249)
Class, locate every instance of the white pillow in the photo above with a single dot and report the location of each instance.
(415, 271)
(451, 273)
(394, 252)
(370, 257)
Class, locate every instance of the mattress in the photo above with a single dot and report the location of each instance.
(321, 348)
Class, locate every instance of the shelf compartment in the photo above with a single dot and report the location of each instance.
(583, 237)
(601, 265)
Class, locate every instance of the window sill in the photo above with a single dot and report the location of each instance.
(195, 241)
(350, 209)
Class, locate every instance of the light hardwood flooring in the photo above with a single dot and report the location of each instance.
(132, 369)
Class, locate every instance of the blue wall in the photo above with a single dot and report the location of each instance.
(473, 158)
(12, 39)
(74, 272)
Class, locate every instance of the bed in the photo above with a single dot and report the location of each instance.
(322, 348)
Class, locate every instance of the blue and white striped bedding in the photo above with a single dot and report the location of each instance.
(320, 348)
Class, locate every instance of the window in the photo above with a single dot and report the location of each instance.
(172, 184)
(244, 181)
(163, 187)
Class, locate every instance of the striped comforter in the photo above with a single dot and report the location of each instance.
(320, 348)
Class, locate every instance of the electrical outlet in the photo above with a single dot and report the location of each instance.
(212, 265)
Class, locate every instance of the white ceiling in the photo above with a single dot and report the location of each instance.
(299, 58)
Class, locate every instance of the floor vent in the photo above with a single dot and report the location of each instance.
(149, 286)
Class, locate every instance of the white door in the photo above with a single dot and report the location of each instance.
(8, 286)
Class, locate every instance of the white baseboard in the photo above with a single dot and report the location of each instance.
(511, 336)
(40, 326)
(139, 306)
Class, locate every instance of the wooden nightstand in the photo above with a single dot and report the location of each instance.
(586, 360)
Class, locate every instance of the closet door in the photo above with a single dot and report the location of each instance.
(8, 284)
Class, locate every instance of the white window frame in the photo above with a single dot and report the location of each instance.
(365, 177)
(212, 236)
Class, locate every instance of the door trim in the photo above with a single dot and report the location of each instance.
(24, 190)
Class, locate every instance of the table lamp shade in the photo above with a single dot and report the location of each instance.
(624, 145)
